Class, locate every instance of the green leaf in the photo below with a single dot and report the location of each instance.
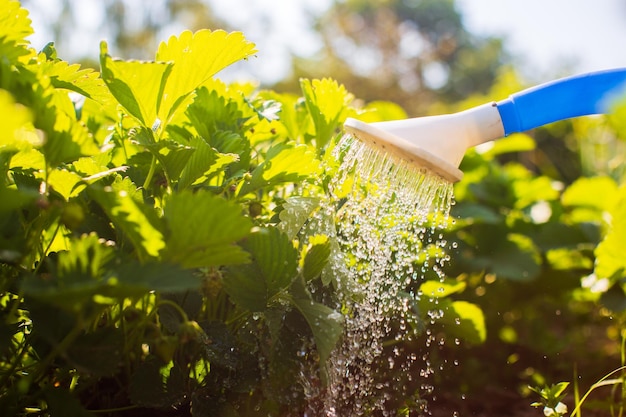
(87, 167)
(275, 256)
(12, 199)
(568, 259)
(137, 279)
(325, 323)
(465, 320)
(246, 287)
(174, 158)
(64, 182)
(557, 235)
(441, 289)
(89, 272)
(529, 191)
(475, 212)
(274, 266)
(85, 82)
(15, 27)
(200, 162)
(283, 164)
(150, 385)
(229, 143)
(598, 193)
(222, 163)
(315, 256)
(211, 112)
(516, 258)
(202, 230)
(493, 249)
(197, 57)
(68, 141)
(379, 111)
(204, 163)
(79, 274)
(17, 132)
(327, 102)
(61, 402)
(293, 114)
(296, 211)
(137, 85)
(124, 205)
(268, 110)
(610, 252)
(222, 351)
(99, 353)
(517, 142)
(614, 298)
(14, 242)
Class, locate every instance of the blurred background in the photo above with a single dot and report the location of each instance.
(412, 52)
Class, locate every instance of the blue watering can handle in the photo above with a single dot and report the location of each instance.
(580, 95)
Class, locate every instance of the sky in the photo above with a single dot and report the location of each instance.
(547, 37)
(550, 35)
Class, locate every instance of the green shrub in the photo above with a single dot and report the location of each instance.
(156, 244)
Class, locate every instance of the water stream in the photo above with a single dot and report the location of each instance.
(389, 221)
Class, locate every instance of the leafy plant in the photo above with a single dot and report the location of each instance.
(551, 399)
(161, 243)
(167, 243)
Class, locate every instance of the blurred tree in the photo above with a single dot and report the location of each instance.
(133, 28)
(412, 52)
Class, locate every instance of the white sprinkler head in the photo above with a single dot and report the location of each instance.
(435, 143)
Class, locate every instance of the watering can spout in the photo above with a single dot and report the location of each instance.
(438, 143)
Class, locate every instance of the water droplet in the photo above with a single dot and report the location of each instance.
(388, 218)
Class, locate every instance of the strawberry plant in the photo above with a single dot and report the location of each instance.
(161, 243)
(139, 249)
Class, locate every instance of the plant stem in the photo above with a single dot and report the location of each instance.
(620, 405)
(576, 388)
(178, 308)
(58, 349)
(113, 410)
(17, 360)
(47, 248)
(237, 317)
(602, 382)
(148, 180)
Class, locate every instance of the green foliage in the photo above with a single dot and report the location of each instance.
(326, 325)
(610, 261)
(16, 28)
(159, 245)
(137, 86)
(531, 242)
(551, 399)
(327, 103)
(166, 243)
(202, 230)
(283, 164)
(138, 237)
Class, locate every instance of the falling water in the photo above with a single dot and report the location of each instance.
(389, 220)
